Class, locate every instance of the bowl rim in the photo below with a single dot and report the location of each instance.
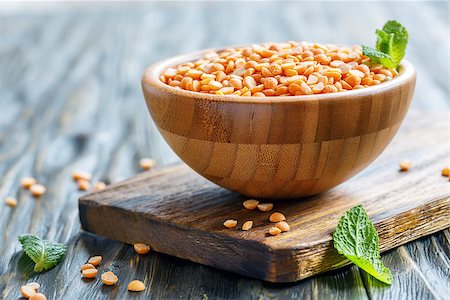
(150, 78)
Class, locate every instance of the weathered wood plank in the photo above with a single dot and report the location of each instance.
(66, 71)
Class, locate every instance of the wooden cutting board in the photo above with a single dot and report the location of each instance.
(179, 213)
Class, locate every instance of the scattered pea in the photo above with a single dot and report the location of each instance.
(265, 206)
(283, 226)
(405, 165)
(277, 217)
(34, 285)
(87, 266)
(230, 223)
(95, 260)
(99, 186)
(38, 296)
(89, 273)
(77, 175)
(11, 202)
(274, 230)
(136, 286)
(27, 291)
(83, 184)
(109, 278)
(141, 248)
(147, 163)
(247, 225)
(27, 182)
(250, 204)
(37, 190)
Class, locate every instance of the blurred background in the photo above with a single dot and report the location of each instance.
(84, 59)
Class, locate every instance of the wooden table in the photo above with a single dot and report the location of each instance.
(70, 99)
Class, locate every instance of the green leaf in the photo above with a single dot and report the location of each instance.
(384, 41)
(399, 41)
(378, 57)
(390, 46)
(45, 254)
(356, 238)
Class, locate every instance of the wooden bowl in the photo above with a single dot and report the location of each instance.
(278, 147)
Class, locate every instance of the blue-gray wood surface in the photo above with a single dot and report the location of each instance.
(70, 99)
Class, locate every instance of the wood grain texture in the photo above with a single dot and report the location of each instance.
(175, 211)
(277, 147)
(70, 99)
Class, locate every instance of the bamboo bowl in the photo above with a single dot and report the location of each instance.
(278, 147)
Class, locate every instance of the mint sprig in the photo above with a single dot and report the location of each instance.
(45, 254)
(379, 57)
(399, 40)
(356, 238)
(384, 40)
(390, 46)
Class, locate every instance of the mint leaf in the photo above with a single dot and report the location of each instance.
(378, 57)
(356, 238)
(390, 46)
(384, 41)
(45, 254)
(399, 41)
